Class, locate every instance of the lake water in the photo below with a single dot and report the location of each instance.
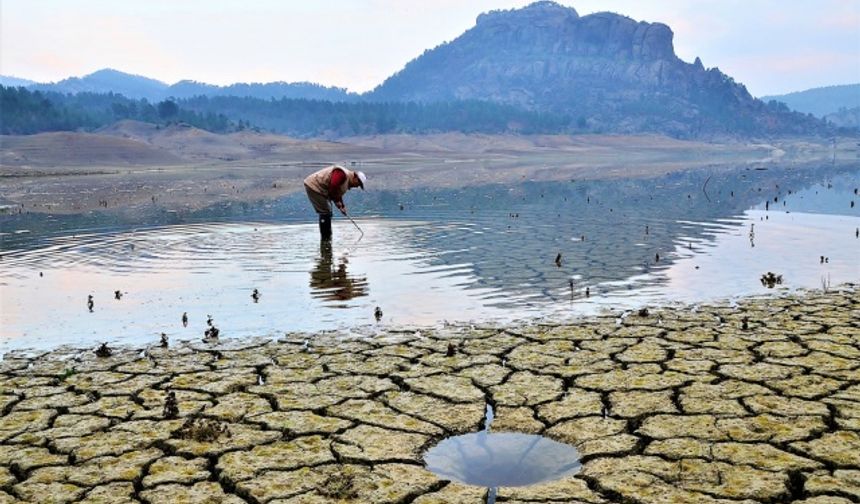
(427, 256)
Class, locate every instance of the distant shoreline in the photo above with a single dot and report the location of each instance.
(185, 169)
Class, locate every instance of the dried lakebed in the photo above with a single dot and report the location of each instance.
(758, 402)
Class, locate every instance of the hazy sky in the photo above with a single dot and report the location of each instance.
(772, 46)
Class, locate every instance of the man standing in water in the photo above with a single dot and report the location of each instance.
(327, 185)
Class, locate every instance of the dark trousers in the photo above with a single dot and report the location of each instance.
(323, 207)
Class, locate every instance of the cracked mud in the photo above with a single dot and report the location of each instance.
(681, 405)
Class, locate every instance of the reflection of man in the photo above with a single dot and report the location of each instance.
(327, 185)
(335, 284)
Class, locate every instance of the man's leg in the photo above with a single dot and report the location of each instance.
(325, 226)
(323, 207)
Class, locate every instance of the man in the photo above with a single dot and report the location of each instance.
(327, 185)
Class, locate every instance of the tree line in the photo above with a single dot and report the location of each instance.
(24, 112)
(27, 112)
(315, 118)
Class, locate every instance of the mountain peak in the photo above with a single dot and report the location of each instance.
(525, 56)
(606, 71)
(541, 13)
(108, 80)
(111, 74)
(11, 81)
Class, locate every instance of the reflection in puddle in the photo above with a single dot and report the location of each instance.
(502, 459)
(506, 459)
(334, 283)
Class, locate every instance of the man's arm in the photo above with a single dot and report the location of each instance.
(338, 177)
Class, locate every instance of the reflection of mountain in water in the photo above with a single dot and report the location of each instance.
(333, 283)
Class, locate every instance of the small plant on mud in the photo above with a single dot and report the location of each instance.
(68, 373)
(210, 335)
(171, 406)
(104, 351)
(340, 485)
(451, 350)
(202, 430)
(770, 279)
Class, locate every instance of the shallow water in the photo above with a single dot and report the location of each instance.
(427, 256)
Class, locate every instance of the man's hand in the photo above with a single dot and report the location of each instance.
(340, 206)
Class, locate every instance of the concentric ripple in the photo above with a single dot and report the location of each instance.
(465, 255)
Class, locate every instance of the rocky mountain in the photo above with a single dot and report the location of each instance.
(821, 101)
(607, 71)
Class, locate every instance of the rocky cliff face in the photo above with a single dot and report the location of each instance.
(607, 71)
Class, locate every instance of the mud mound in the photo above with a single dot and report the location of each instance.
(70, 149)
(194, 144)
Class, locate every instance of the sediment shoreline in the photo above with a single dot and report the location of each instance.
(758, 402)
(42, 174)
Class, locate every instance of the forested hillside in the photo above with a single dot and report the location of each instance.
(25, 112)
(304, 118)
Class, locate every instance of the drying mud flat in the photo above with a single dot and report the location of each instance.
(758, 402)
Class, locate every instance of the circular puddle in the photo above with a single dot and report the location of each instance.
(504, 459)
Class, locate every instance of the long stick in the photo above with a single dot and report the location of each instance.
(353, 222)
(706, 185)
